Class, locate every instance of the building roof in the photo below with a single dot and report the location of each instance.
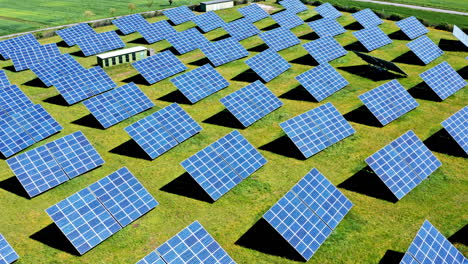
(121, 52)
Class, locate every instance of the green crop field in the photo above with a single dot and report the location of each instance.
(458, 5)
(375, 227)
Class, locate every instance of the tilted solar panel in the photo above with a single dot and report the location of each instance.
(13, 138)
(322, 81)
(443, 80)
(71, 34)
(177, 122)
(425, 49)
(253, 13)
(388, 101)
(51, 69)
(295, 6)
(325, 49)
(179, 14)
(37, 122)
(327, 10)
(460, 35)
(11, 45)
(4, 79)
(383, 64)
(100, 42)
(241, 29)
(279, 38)
(25, 58)
(287, 19)
(268, 64)
(208, 21)
(7, 253)
(188, 40)
(129, 24)
(132, 99)
(327, 27)
(412, 27)
(367, 18)
(457, 127)
(159, 66)
(156, 31)
(12, 99)
(224, 51)
(372, 38)
(200, 83)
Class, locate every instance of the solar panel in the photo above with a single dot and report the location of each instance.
(188, 40)
(224, 51)
(156, 31)
(100, 42)
(295, 6)
(253, 13)
(251, 103)
(208, 21)
(327, 27)
(71, 34)
(460, 35)
(325, 49)
(317, 129)
(412, 27)
(287, 19)
(179, 14)
(200, 83)
(129, 24)
(382, 64)
(403, 164)
(49, 70)
(443, 80)
(4, 79)
(372, 38)
(177, 122)
(151, 258)
(7, 253)
(367, 18)
(322, 81)
(83, 220)
(241, 29)
(12, 99)
(13, 138)
(456, 126)
(193, 245)
(159, 66)
(425, 49)
(25, 58)
(37, 122)
(327, 10)
(268, 64)
(279, 38)
(11, 45)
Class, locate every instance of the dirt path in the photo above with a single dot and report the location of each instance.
(416, 7)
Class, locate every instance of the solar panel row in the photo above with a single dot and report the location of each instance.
(99, 42)
(7, 253)
(268, 64)
(457, 127)
(279, 38)
(325, 49)
(72, 34)
(159, 66)
(25, 58)
(223, 51)
(51, 69)
(253, 13)
(188, 40)
(131, 23)
(11, 45)
(156, 31)
(443, 80)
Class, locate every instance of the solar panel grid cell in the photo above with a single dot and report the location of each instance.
(129, 24)
(443, 80)
(457, 127)
(412, 27)
(372, 38)
(268, 64)
(159, 66)
(295, 6)
(188, 40)
(25, 58)
(279, 38)
(287, 19)
(71, 34)
(327, 10)
(253, 13)
(13, 138)
(4, 79)
(156, 31)
(425, 49)
(327, 27)
(367, 18)
(179, 14)
(208, 21)
(224, 51)
(7, 253)
(100, 42)
(51, 69)
(325, 49)
(241, 29)
(9, 46)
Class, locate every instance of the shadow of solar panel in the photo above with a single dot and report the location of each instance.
(83, 220)
(53, 68)
(12, 99)
(151, 258)
(403, 164)
(130, 24)
(11, 45)
(177, 122)
(193, 245)
(372, 38)
(295, 6)
(71, 34)
(156, 31)
(317, 129)
(425, 49)
(388, 101)
(412, 27)
(327, 27)
(188, 40)
(253, 13)
(8, 254)
(268, 64)
(224, 51)
(287, 19)
(208, 21)
(241, 29)
(100, 42)
(13, 138)
(460, 35)
(457, 127)
(159, 66)
(322, 81)
(251, 103)
(443, 80)
(25, 58)
(37, 122)
(200, 83)
(327, 10)
(179, 14)
(4, 79)
(279, 38)
(383, 64)
(367, 18)
(325, 49)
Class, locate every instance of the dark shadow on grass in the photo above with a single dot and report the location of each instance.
(140, 41)
(186, 186)
(452, 45)
(14, 186)
(356, 46)
(259, 48)
(310, 36)
(313, 18)
(398, 35)
(36, 82)
(248, 75)
(224, 118)
(171, 49)
(62, 44)
(354, 26)
(285, 147)
(78, 54)
(53, 237)
(270, 27)
(299, 93)
(460, 237)
(264, 238)
(391, 257)
(225, 36)
(10, 68)
(443, 142)
(409, 58)
(424, 92)
(130, 149)
(201, 62)
(363, 116)
(120, 33)
(137, 79)
(175, 97)
(463, 72)
(56, 100)
(307, 60)
(370, 72)
(88, 121)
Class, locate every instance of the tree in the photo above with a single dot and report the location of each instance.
(112, 11)
(132, 6)
(88, 13)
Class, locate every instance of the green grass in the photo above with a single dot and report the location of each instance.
(371, 228)
(457, 5)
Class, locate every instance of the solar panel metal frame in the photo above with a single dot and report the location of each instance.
(460, 35)
(25, 58)
(241, 29)
(53, 68)
(325, 49)
(179, 14)
(456, 126)
(295, 6)
(328, 10)
(156, 31)
(443, 80)
(223, 51)
(372, 38)
(426, 50)
(380, 63)
(279, 38)
(8, 254)
(159, 66)
(129, 24)
(367, 18)
(9, 46)
(412, 27)
(208, 21)
(253, 12)
(327, 27)
(287, 19)
(71, 34)
(100, 42)
(268, 64)
(187, 40)
(4, 81)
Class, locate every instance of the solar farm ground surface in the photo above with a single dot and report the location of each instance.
(373, 230)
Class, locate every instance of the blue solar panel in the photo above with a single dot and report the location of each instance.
(295, 6)
(224, 51)
(367, 18)
(412, 27)
(193, 245)
(159, 66)
(71, 34)
(251, 103)
(241, 29)
(53, 68)
(372, 38)
(13, 138)
(151, 258)
(327, 27)
(129, 24)
(188, 40)
(268, 64)
(156, 31)
(4, 79)
(179, 14)
(425, 49)
(12, 99)
(37, 122)
(25, 58)
(200, 83)
(11, 45)
(443, 80)
(460, 35)
(388, 101)
(403, 164)
(317, 129)
(253, 13)
(100, 42)
(177, 122)
(287, 19)
(7, 253)
(322, 81)
(279, 38)
(208, 21)
(327, 10)
(83, 220)
(457, 127)
(325, 49)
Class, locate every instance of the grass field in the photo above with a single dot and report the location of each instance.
(458, 5)
(375, 226)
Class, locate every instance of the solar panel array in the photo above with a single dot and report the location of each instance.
(327, 27)
(412, 27)
(4, 81)
(307, 214)
(425, 49)
(222, 165)
(129, 24)
(7, 253)
(188, 40)
(279, 38)
(156, 31)
(223, 51)
(9, 46)
(372, 38)
(25, 58)
(322, 81)
(251, 103)
(200, 83)
(100, 42)
(179, 14)
(460, 35)
(327, 10)
(268, 64)
(388, 101)
(72, 34)
(163, 130)
(295, 6)
(380, 63)
(208, 21)
(367, 18)
(403, 164)
(118, 104)
(51, 69)
(253, 13)
(159, 66)
(287, 19)
(241, 29)
(317, 129)
(457, 127)
(325, 49)
(443, 80)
